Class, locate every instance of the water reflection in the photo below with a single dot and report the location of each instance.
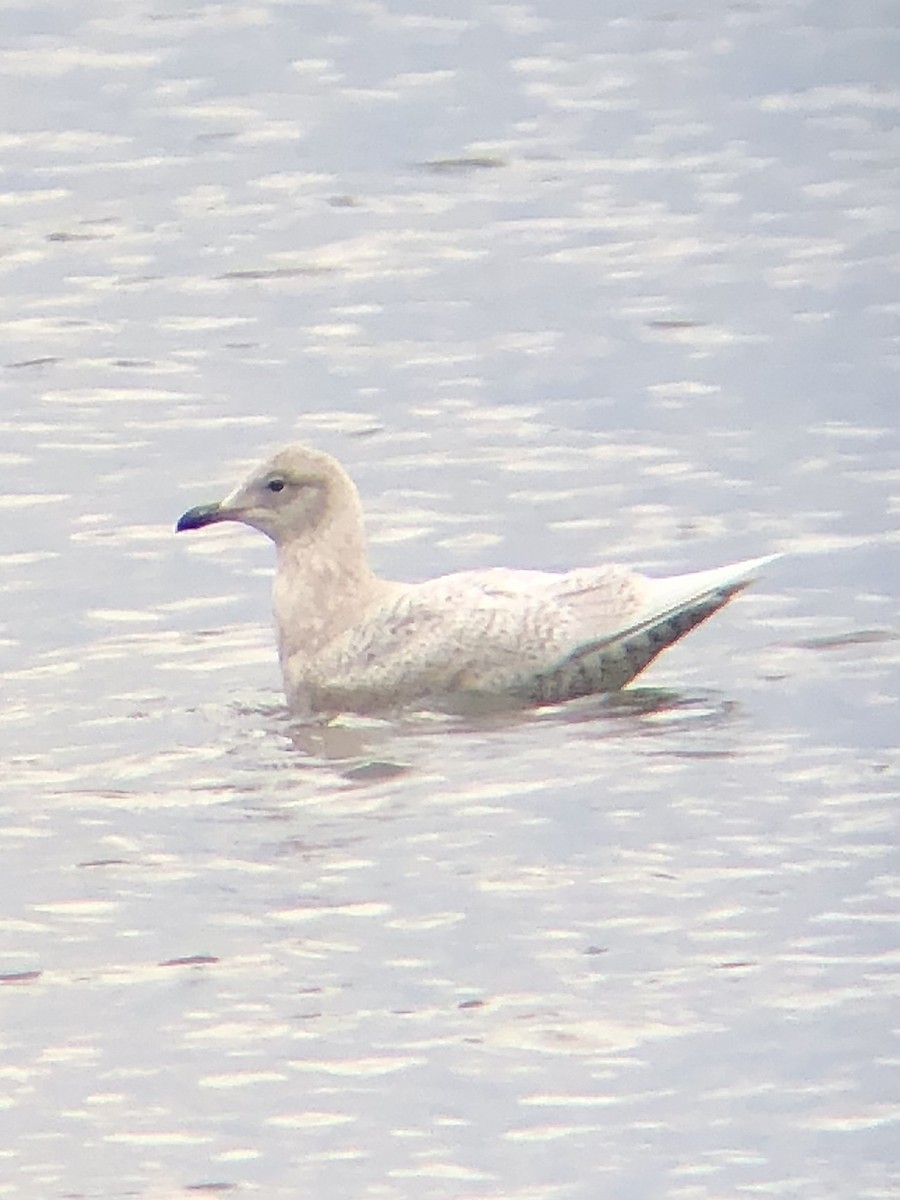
(385, 748)
(560, 285)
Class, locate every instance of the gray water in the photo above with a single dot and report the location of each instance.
(559, 283)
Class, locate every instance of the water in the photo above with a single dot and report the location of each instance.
(559, 284)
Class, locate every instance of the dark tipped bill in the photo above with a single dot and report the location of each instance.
(196, 518)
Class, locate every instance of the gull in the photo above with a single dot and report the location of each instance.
(349, 641)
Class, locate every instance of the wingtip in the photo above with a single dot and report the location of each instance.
(751, 565)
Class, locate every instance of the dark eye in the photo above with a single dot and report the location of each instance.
(275, 485)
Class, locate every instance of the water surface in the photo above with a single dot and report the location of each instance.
(559, 284)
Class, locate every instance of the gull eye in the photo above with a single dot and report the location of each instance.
(275, 485)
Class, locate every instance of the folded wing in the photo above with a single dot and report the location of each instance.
(524, 636)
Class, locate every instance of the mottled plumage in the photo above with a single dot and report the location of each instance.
(351, 641)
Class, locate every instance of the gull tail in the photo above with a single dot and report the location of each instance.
(675, 606)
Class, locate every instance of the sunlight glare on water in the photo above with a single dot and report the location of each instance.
(558, 284)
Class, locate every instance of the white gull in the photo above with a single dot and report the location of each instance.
(349, 641)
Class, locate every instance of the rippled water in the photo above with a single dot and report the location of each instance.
(558, 283)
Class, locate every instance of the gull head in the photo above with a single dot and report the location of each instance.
(287, 498)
